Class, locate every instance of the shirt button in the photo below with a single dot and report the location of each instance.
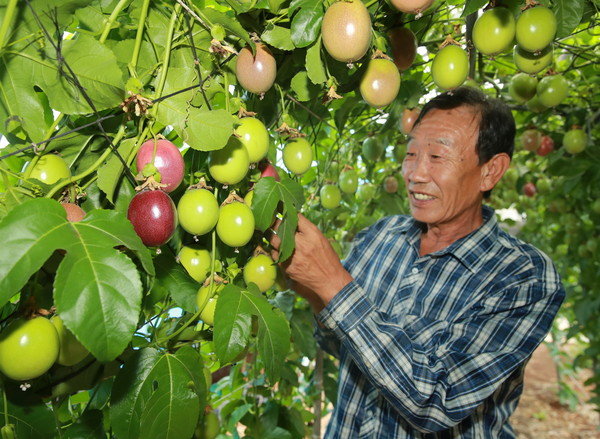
(415, 270)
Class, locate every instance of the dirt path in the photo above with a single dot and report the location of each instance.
(540, 414)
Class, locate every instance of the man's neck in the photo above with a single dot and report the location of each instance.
(438, 237)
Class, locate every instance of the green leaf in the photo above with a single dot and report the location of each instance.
(232, 25)
(90, 425)
(95, 67)
(306, 23)
(568, 16)
(173, 278)
(32, 418)
(109, 174)
(278, 36)
(202, 129)
(314, 64)
(305, 90)
(232, 325)
(97, 288)
(472, 6)
(158, 395)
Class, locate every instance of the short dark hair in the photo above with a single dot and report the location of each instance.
(496, 124)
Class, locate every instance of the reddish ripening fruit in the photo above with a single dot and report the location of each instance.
(390, 184)
(529, 189)
(380, 84)
(74, 212)
(154, 217)
(409, 116)
(256, 73)
(494, 31)
(268, 170)
(412, 6)
(404, 47)
(346, 30)
(530, 139)
(167, 161)
(546, 146)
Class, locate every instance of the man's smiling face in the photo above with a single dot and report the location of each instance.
(441, 168)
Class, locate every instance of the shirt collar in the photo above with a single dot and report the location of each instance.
(469, 249)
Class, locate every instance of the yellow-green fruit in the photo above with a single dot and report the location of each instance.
(71, 350)
(262, 271)
(536, 28)
(255, 137)
(198, 211)
(28, 348)
(297, 155)
(346, 30)
(494, 31)
(50, 168)
(532, 63)
(196, 262)
(450, 67)
(380, 84)
(229, 165)
(207, 304)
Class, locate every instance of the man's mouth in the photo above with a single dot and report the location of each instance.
(422, 197)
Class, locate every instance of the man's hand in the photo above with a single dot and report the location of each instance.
(314, 267)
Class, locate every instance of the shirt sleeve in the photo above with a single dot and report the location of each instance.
(435, 387)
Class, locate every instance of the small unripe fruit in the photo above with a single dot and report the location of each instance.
(575, 141)
(229, 165)
(552, 90)
(522, 87)
(532, 63)
(450, 67)
(409, 116)
(255, 137)
(74, 212)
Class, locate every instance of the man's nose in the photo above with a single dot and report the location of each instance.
(418, 171)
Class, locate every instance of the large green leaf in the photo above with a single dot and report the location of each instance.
(314, 64)
(158, 395)
(306, 23)
(232, 326)
(202, 129)
(109, 174)
(97, 288)
(268, 193)
(568, 15)
(90, 425)
(278, 36)
(174, 280)
(32, 418)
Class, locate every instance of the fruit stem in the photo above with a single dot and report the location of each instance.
(165, 67)
(7, 21)
(5, 399)
(138, 38)
(91, 169)
(111, 19)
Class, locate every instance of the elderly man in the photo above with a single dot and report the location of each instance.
(433, 315)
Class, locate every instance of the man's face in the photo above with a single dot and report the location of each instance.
(441, 170)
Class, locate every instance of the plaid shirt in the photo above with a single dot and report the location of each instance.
(435, 346)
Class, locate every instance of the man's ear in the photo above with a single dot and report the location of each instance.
(493, 170)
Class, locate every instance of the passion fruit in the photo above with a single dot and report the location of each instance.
(381, 82)
(494, 31)
(522, 87)
(535, 28)
(552, 90)
(256, 72)
(404, 47)
(416, 7)
(532, 63)
(346, 30)
(450, 67)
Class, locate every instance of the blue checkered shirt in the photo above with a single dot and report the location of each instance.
(435, 346)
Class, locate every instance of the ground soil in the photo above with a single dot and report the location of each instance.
(540, 415)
